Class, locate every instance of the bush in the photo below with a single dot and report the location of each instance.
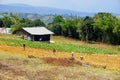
(119, 48)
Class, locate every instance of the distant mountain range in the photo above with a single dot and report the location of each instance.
(44, 13)
(22, 8)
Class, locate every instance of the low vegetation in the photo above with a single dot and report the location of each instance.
(16, 67)
(96, 54)
(67, 47)
(119, 48)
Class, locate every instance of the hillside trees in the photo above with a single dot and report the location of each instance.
(5, 21)
(106, 23)
(102, 27)
(38, 22)
(1, 23)
(116, 32)
(65, 27)
(55, 26)
(32, 23)
(70, 27)
(14, 22)
(18, 24)
(87, 29)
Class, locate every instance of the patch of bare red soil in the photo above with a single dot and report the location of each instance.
(61, 61)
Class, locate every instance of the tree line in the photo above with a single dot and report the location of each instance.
(14, 22)
(102, 27)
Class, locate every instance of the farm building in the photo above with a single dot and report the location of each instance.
(35, 34)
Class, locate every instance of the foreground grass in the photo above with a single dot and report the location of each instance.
(67, 47)
(16, 67)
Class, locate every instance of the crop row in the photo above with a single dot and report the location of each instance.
(68, 47)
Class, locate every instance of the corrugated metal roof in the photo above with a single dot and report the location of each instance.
(38, 30)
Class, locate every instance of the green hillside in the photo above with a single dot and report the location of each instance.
(60, 46)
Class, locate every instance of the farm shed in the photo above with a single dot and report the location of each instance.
(35, 34)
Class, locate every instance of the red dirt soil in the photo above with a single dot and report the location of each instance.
(61, 61)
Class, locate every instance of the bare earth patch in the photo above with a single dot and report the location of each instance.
(61, 61)
(95, 59)
(13, 68)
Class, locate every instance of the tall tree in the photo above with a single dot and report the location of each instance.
(38, 22)
(6, 21)
(87, 29)
(1, 23)
(116, 32)
(78, 24)
(69, 28)
(55, 26)
(105, 22)
(17, 22)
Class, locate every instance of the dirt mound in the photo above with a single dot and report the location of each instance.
(61, 61)
(3, 66)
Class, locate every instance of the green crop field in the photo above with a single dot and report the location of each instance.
(67, 47)
(15, 66)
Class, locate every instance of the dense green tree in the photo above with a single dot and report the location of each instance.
(78, 24)
(1, 23)
(55, 26)
(57, 19)
(21, 22)
(28, 22)
(38, 22)
(87, 29)
(106, 23)
(6, 21)
(18, 24)
(69, 28)
(65, 28)
(116, 32)
(117, 27)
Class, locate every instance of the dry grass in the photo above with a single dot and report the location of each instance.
(14, 67)
(59, 39)
(8, 36)
(110, 61)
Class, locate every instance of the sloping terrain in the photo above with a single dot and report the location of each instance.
(16, 67)
(110, 61)
(37, 61)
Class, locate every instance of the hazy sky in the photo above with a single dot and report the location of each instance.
(112, 6)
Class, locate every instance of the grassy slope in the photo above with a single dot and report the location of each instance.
(17, 67)
(61, 45)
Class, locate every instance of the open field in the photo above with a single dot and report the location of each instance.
(60, 46)
(110, 61)
(17, 67)
(101, 60)
(96, 54)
